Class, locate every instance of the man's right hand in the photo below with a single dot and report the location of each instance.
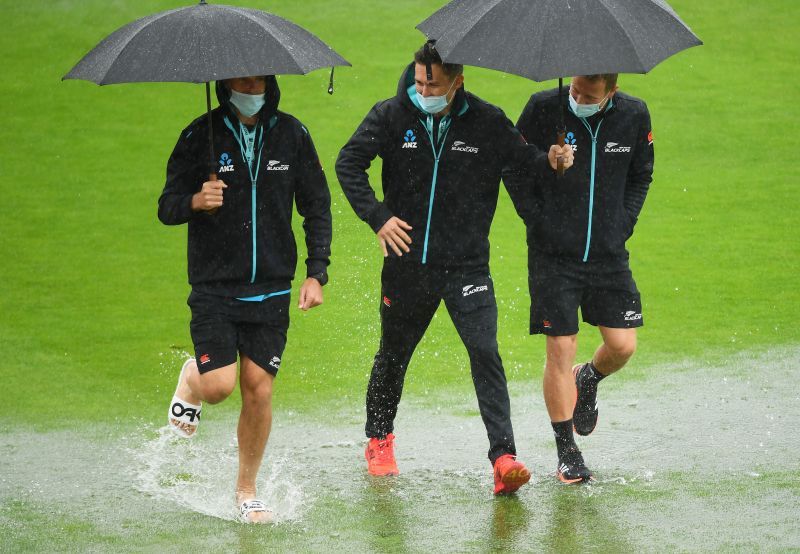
(393, 233)
(210, 196)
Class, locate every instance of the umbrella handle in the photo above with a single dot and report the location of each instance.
(212, 177)
(561, 134)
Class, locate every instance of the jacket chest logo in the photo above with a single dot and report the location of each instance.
(409, 139)
(571, 140)
(225, 163)
(459, 146)
(615, 148)
(275, 165)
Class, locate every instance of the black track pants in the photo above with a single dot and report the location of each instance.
(411, 293)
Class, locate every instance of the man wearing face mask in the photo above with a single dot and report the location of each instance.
(242, 257)
(444, 152)
(577, 256)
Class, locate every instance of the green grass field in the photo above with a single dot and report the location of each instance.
(94, 322)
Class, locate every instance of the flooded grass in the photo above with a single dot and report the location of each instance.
(684, 460)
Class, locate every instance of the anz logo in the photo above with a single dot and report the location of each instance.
(409, 139)
(225, 164)
(571, 141)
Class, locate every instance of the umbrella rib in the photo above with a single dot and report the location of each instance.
(627, 34)
(156, 17)
(273, 30)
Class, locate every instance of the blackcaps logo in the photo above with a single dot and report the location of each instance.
(275, 165)
(630, 315)
(460, 146)
(225, 163)
(615, 148)
(410, 139)
(469, 290)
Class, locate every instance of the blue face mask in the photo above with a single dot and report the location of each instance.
(247, 104)
(584, 110)
(434, 104)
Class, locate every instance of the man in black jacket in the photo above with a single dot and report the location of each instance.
(576, 239)
(242, 256)
(444, 151)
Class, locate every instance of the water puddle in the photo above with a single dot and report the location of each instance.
(689, 446)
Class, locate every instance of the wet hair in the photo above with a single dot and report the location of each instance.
(428, 55)
(609, 78)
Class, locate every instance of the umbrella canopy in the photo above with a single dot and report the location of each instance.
(547, 39)
(203, 43)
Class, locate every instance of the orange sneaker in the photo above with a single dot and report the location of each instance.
(509, 474)
(380, 456)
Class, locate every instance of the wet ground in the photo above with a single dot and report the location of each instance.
(693, 457)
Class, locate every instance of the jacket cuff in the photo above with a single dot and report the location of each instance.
(188, 212)
(378, 217)
(315, 267)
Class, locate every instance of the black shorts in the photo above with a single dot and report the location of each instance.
(604, 291)
(223, 327)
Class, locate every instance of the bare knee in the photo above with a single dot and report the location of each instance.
(256, 383)
(217, 385)
(218, 393)
(257, 392)
(622, 349)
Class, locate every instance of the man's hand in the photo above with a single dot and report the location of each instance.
(393, 233)
(564, 152)
(209, 198)
(310, 294)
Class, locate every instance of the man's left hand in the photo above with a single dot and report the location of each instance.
(564, 152)
(310, 294)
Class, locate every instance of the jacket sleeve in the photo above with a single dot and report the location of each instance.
(352, 164)
(640, 173)
(524, 166)
(313, 200)
(184, 178)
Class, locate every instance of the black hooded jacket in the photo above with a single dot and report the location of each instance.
(449, 204)
(247, 247)
(589, 214)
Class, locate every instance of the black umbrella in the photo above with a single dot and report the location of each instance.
(547, 39)
(204, 43)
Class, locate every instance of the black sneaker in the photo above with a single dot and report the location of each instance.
(571, 468)
(584, 415)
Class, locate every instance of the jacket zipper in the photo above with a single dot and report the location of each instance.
(444, 127)
(591, 183)
(253, 180)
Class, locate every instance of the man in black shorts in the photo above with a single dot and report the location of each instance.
(242, 257)
(577, 256)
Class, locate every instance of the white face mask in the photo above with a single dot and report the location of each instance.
(434, 104)
(247, 104)
(585, 110)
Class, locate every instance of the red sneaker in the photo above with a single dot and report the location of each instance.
(380, 456)
(509, 474)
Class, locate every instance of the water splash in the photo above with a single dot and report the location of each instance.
(200, 476)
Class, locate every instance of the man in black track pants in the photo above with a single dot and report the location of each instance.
(444, 152)
(577, 257)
